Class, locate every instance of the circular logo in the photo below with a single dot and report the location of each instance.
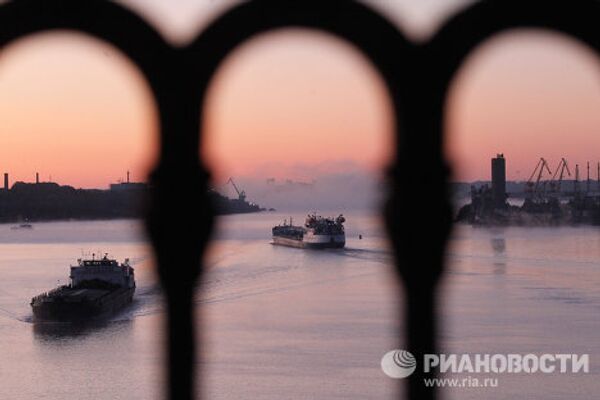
(398, 364)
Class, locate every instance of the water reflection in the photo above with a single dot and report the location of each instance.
(498, 243)
(46, 331)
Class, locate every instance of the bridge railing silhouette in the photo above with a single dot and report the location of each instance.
(418, 76)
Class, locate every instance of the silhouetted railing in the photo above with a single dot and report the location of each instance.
(417, 77)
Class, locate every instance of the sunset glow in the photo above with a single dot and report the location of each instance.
(527, 94)
(76, 111)
(296, 97)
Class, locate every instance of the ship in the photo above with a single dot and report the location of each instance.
(317, 233)
(97, 289)
(22, 226)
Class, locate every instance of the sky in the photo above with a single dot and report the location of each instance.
(527, 94)
(290, 104)
(75, 111)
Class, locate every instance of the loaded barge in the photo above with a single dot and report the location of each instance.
(97, 288)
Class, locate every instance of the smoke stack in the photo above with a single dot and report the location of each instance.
(577, 178)
(127, 176)
(37, 177)
(5, 181)
(587, 189)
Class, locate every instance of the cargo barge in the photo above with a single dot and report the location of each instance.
(97, 289)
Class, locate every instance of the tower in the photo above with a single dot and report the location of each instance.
(499, 181)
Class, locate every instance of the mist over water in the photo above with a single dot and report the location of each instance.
(306, 323)
(331, 186)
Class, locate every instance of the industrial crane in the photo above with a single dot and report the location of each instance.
(562, 167)
(539, 169)
(241, 194)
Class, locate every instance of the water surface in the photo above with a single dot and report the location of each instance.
(283, 322)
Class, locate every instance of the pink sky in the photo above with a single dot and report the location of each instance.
(296, 97)
(527, 95)
(76, 109)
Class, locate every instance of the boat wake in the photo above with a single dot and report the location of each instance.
(381, 256)
(15, 317)
(226, 280)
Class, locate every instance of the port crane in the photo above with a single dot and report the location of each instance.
(541, 166)
(562, 167)
(241, 194)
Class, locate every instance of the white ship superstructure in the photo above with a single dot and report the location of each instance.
(98, 288)
(317, 232)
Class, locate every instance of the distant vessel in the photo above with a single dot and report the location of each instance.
(22, 226)
(317, 233)
(98, 288)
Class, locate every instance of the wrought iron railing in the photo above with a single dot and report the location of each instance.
(417, 76)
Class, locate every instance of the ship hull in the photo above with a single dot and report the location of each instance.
(81, 309)
(312, 242)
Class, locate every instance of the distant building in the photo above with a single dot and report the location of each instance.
(128, 186)
(290, 183)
